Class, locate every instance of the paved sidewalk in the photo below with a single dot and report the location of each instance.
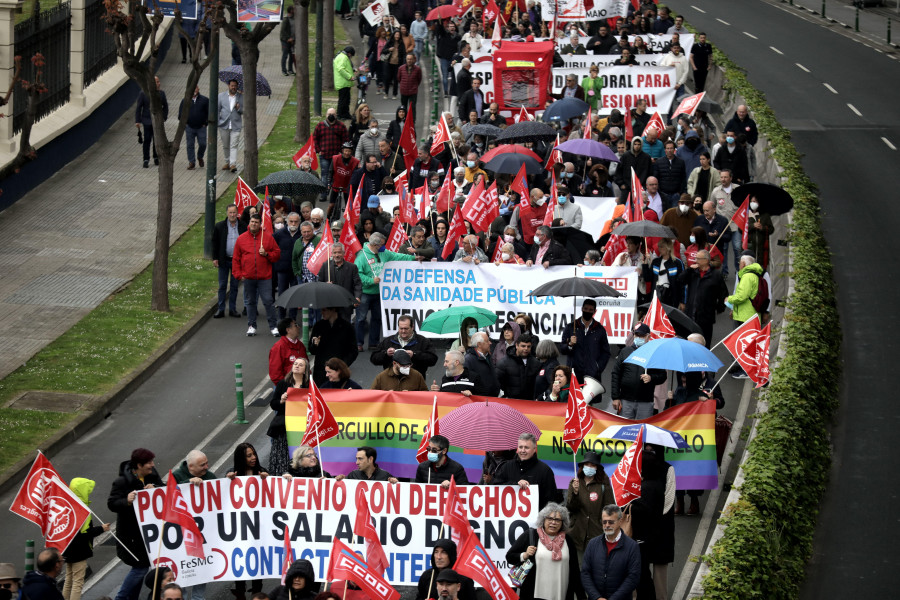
(90, 228)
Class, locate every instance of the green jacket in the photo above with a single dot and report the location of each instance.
(745, 292)
(182, 474)
(588, 84)
(343, 71)
(82, 488)
(370, 264)
(297, 254)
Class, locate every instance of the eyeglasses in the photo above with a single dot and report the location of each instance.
(6, 586)
(553, 520)
(433, 449)
(609, 521)
(309, 455)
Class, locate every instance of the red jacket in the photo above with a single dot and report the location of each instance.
(282, 357)
(341, 172)
(247, 263)
(410, 79)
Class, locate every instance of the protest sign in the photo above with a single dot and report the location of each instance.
(190, 9)
(623, 86)
(573, 10)
(393, 422)
(375, 11)
(260, 11)
(243, 521)
(576, 61)
(656, 43)
(419, 289)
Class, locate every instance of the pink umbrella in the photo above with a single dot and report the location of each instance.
(486, 426)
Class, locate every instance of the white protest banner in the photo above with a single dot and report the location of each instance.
(595, 212)
(243, 522)
(656, 43)
(577, 61)
(375, 11)
(419, 289)
(484, 70)
(623, 86)
(603, 9)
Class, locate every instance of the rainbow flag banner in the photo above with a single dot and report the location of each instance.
(392, 422)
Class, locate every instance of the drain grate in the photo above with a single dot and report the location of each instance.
(86, 233)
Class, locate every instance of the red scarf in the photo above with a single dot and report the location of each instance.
(553, 545)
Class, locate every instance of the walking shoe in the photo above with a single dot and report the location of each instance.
(694, 508)
(251, 331)
(679, 505)
(156, 161)
(275, 332)
(234, 313)
(146, 164)
(234, 168)
(740, 375)
(200, 161)
(227, 167)
(190, 167)
(219, 314)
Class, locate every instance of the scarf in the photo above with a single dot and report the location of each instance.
(553, 545)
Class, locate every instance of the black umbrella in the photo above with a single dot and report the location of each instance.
(527, 131)
(485, 130)
(709, 106)
(565, 109)
(237, 72)
(683, 324)
(772, 199)
(294, 183)
(575, 286)
(511, 163)
(645, 229)
(315, 294)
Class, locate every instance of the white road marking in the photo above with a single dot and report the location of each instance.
(776, 50)
(698, 9)
(854, 109)
(750, 35)
(802, 67)
(830, 89)
(723, 22)
(889, 144)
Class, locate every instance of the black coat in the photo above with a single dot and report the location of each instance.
(530, 538)
(590, 354)
(337, 340)
(614, 574)
(467, 104)
(220, 239)
(485, 374)
(37, 586)
(705, 296)
(126, 521)
(533, 471)
(198, 113)
(422, 358)
(299, 568)
(642, 164)
(720, 226)
(285, 242)
(556, 254)
(466, 588)
(142, 110)
(747, 127)
(544, 379)
(346, 276)
(626, 379)
(517, 375)
(442, 473)
(671, 175)
(460, 383)
(736, 161)
(674, 294)
(82, 545)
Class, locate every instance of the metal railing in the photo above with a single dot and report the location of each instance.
(99, 46)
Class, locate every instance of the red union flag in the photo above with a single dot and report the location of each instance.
(353, 208)
(587, 125)
(520, 186)
(320, 423)
(554, 201)
(348, 238)
(475, 210)
(490, 13)
(656, 123)
(473, 561)
(244, 196)
(629, 126)
(760, 375)
(322, 253)
(657, 320)
(432, 428)
(443, 199)
(578, 418)
(288, 555)
(346, 565)
(741, 343)
(407, 204)
(637, 197)
(308, 149)
(456, 231)
(364, 528)
(689, 105)
(177, 512)
(741, 218)
(441, 136)
(397, 236)
(29, 501)
(522, 115)
(455, 516)
(554, 158)
(63, 515)
(626, 480)
(408, 140)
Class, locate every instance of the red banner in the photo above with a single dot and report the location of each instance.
(321, 423)
(177, 512)
(308, 149)
(346, 565)
(626, 480)
(29, 501)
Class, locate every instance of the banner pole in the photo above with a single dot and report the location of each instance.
(114, 535)
(319, 449)
(156, 564)
(723, 376)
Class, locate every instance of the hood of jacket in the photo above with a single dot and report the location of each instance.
(754, 268)
(82, 488)
(517, 331)
(447, 546)
(300, 568)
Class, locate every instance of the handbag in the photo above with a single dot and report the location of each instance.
(518, 574)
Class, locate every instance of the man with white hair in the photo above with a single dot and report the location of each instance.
(464, 77)
(470, 251)
(194, 470)
(527, 470)
(460, 185)
(480, 364)
(574, 47)
(457, 377)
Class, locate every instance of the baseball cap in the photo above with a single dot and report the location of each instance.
(373, 201)
(401, 357)
(448, 576)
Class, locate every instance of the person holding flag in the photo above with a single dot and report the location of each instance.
(741, 301)
(81, 547)
(589, 491)
(255, 251)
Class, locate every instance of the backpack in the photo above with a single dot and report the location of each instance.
(761, 300)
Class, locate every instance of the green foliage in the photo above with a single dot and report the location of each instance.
(769, 531)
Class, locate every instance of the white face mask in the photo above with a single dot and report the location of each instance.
(754, 206)
(373, 131)
(279, 225)
(683, 208)
(537, 239)
(541, 201)
(509, 239)
(504, 256)
(693, 240)
(404, 370)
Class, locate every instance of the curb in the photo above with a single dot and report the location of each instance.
(105, 404)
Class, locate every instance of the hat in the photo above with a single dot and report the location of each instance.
(373, 201)
(529, 38)
(591, 457)
(8, 571)
(448, 576)
(642, 330)
(347, 145)
(401, 357)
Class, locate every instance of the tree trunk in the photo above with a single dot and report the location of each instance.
(328, 47)
(249, 61)
(301, 52)
(159, 296)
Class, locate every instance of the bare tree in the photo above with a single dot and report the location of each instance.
(328, 46)
(247, 41)
(301, 54)
(33, 89)
(122, 19)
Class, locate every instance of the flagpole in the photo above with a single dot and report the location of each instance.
(319, 449)
(723, 376)
(158, 554)
(114, 535)
(433, 568)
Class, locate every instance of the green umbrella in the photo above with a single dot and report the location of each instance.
(449, 320)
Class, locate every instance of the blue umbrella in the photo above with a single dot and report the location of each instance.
(565, 109)
(237, 72)
(652, 435)
(675, 354)
(591, 148)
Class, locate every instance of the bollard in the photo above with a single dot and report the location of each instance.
(304, 336)
(239, 393)
(823, 9)
(29, 555)
(889, 31)
(857, 18)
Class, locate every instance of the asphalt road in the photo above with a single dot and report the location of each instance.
(837, 95)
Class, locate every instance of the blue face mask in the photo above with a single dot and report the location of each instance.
(639, 341)
(472, 331)
(590, 471)
(433, 457)
(470, 164)
(563, 199)
(693, 240)
(729, 139)
(570, 175)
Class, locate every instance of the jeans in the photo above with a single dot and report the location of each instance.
(420, 45)
(368, 302)
(636, 410)
(198, 134)
(259, 289)
(325, 170)
(669, 200)
(224, 275)
(230, 139)
(285, 280)
(131, 586)
(287, 57)
(446, 73)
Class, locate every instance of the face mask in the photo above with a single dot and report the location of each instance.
(683, 208)
(638, 342)
(693, 240)
(293, 228)
(590, 471)
(754, 206)
(692, 143)
(433, 185)
(279, 225)
(679, 127)
(537, 239)
(504, 256)
(472, 331)
(541, 201)
(470, 164)
(433, 457)
(587, 316)
(404, 370)
(562, 200)
(729, 139)
(332, 118)
(509, 239)
(373, 131)
(569, 175)
(479, 144)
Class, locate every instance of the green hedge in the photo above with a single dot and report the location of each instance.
(768, 538)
